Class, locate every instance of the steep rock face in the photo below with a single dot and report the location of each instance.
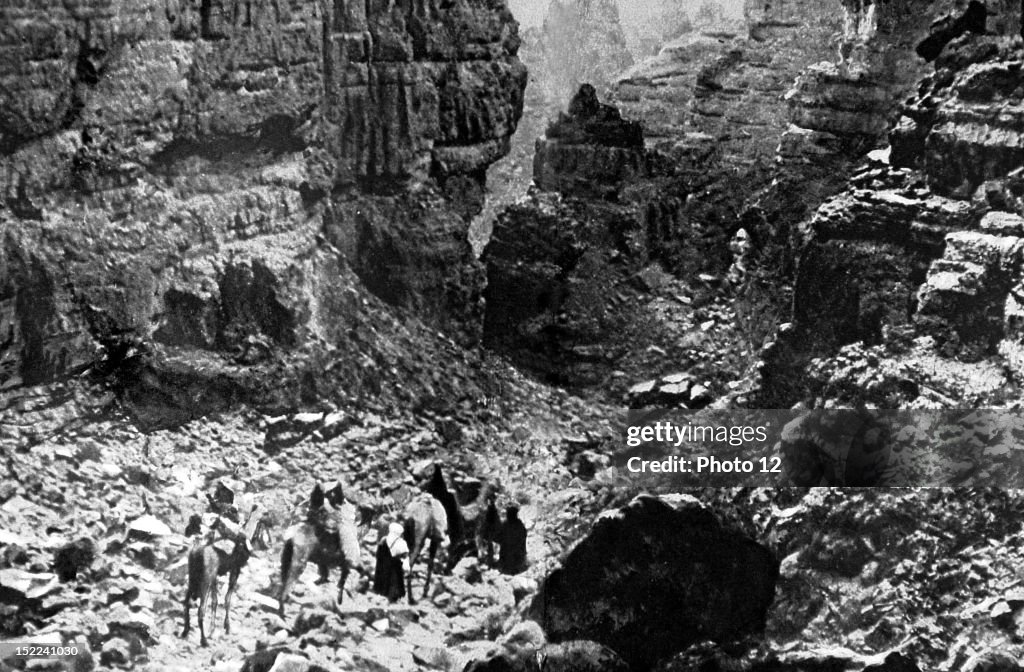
(591, 151)
(844, 106)
(824, 100)
(201, 178)
(868, 253)
(882, 51)
(562, 293)
(695, 578)
(970, 300)
(728, 86)
(956, 161)
(927, 251)
(716, 102)
(579, 42)
(965, 127)
(562, 298)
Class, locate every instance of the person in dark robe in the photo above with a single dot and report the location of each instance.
(512, 558)
(439, 489)
(392, 563)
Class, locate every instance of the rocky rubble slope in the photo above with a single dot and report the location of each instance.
(924, 575)
(274, 309)
(92, 475)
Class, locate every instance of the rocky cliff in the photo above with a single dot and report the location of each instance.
(728, 85)
(755, 132)
(563, 295)
(882, 51)
(215, 185)
(579, 41)
(590, 151)
(842, 70)
(750, 130)
(918, 261)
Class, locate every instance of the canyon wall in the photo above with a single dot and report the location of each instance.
(916, 265)
(204, 182)
(773, 130)
(749, 130)
(728, 85)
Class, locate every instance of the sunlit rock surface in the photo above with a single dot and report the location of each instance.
(204, 180)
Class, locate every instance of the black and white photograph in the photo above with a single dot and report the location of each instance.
(512, 335)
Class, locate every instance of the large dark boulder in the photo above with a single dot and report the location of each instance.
(655, 577)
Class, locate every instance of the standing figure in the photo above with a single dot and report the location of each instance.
(740, 247)
(203, 569)
(512, 559)
(439, 490)
(392, 564)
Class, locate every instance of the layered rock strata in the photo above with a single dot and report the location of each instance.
(561, 297)
(970, 300)
(923, 257)
(868, 252)
(727, 86)
(965, 127)
(200, 177)
(591, 151)
(847, 104)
